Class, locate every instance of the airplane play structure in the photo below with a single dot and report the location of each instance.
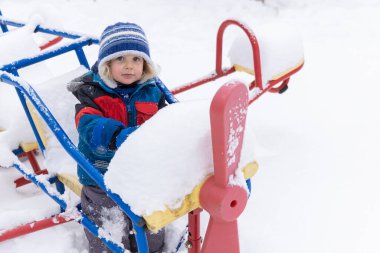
(224, 202)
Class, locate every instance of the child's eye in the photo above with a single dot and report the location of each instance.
(137, 59)
(120, 59)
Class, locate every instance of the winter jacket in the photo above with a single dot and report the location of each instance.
(105, 117)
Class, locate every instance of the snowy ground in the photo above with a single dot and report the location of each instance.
(317, 188)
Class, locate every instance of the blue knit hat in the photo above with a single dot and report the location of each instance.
(120, 39)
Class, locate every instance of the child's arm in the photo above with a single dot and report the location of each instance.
(102, 134)
(95, 130)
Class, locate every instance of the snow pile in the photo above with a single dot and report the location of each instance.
(167, 157)
(17, 44)
(280, 47)
(61, 104)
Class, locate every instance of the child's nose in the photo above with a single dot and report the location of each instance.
(128, 64)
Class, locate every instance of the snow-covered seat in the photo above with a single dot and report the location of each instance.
(162, 166)
(281, 51)
(159, 219)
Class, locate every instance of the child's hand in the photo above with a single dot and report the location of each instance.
(123, 135)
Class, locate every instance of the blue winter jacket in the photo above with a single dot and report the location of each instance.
(105, 117)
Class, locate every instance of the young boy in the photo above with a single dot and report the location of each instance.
(117, 96)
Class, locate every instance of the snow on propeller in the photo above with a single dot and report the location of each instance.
(228, 111)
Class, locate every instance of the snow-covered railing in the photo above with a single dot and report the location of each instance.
(4, 22)
(268, 73)
(76, 45)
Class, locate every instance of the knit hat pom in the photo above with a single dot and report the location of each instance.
(121, 39)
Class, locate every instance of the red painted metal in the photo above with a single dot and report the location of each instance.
(201, 81)
(272, 83)
(222, 201)
(35, 166)
(194, 235)
(219, 71)
(278, 88)
(255, 48)
(33, 227)
(51, 43)
(23, 181)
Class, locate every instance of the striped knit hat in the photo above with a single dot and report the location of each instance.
(120, 39)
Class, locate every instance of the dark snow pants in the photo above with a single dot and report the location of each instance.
(106, 214)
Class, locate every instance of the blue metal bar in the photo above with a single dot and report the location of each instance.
(84, 220)
(69, 35)
(71, 149)
(60, 188)
(4, 28)
(82, 57)
(46, 55)
(167, 93)
(18, 151)
(248, 181)
(30, 119)
(37, 182)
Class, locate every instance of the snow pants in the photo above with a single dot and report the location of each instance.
(106, 214)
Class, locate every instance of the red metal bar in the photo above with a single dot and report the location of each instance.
(33, 227)
(23, 181)
(33, 161)
(51, 43)
(255, 48)
(273, 83)
(201, 81)
(194, 239)
(280, 87)
(36, 168)
(284, 78)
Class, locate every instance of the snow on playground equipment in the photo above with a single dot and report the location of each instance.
(224, 202)
(26, 149)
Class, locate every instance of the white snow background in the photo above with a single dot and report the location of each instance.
(317, 145)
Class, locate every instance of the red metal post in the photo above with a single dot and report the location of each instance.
(222, 201)
(194, 235)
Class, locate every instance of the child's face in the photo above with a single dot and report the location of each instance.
(127, 69)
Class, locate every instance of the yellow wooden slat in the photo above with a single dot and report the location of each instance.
(71, 181)
(38, 123)
(160, 219)
(275, 77)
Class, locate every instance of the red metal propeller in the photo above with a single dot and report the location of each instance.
(222, 201)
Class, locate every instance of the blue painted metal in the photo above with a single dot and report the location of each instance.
(29, 116)
(18, 151)
(82, 57)
(167, 93)
(4, 22)
(84, 220)
(4, 27)
(32, 177)
(248, 181)
(71, 149)
(76, 44)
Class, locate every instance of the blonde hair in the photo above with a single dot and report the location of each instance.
(148, 71)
